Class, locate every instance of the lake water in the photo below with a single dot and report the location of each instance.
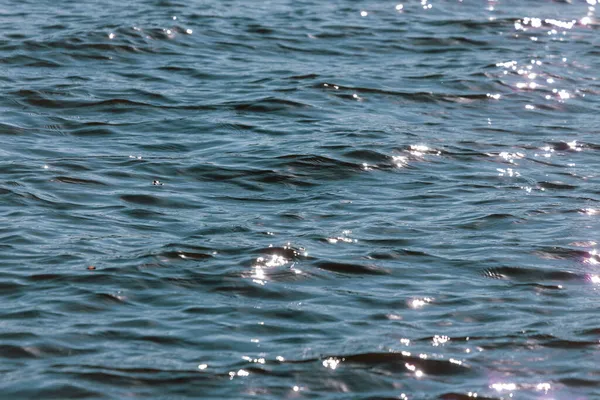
(300, 199)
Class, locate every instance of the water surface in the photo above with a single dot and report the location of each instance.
(338, 200)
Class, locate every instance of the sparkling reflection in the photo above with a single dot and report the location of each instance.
(593, 258)
(254, 360)
(440, 340)
(343, 238)
(501, 386)
(413, 368)
(280, 257)
(241, 373)
(539, 75)
(418, 303)
(545, 387)
(331, 363)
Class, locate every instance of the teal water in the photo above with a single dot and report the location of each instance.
(340, 200)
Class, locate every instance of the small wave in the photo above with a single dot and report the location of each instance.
(532, 274)
(78, 181)
(268, 104)
(352, 269)
(394, 362)
(185, 255)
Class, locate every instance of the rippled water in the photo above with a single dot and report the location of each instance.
(333, 200)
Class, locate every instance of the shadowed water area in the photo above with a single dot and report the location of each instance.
(299, 199)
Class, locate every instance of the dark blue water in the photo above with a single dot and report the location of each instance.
(299, 199)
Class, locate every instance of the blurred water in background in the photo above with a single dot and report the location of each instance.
(299, 199)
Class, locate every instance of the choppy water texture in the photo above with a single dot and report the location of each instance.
(299, 199)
